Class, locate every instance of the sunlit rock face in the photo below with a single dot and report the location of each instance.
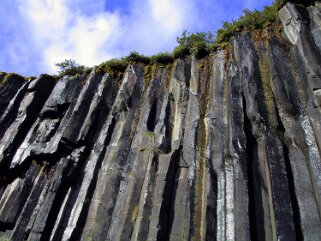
(221, 148)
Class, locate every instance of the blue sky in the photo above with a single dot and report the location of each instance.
(36, 34)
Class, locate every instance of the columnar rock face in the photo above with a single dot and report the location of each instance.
(221, 148)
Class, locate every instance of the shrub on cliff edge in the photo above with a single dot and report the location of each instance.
(70, 67)
(162, 58)
(195, 43)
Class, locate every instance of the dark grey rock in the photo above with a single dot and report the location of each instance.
(9, 85)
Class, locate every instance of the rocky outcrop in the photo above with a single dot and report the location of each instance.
(221, 148)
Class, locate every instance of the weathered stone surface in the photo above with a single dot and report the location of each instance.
(9, 84)
(226, 147)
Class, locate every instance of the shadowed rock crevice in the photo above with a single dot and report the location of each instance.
(169, 117)
(289, 172)
(254, 189)
(61, 193)
(148, 205)
(56, 113)
(211, 217)
(167, 211)
(152, 117)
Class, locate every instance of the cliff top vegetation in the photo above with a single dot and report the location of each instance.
(198, 44)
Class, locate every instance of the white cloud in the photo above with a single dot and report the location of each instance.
(71, 31)
(63, 34)
(86, 40)
(169, 15)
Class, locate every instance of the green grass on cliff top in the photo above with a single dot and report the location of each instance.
(199, 44)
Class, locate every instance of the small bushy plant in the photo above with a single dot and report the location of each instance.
(195, 43)
(162, 58)
(134, 56)
(249, 20)
(116, 64)
(70, 67)
(200, 49)
(180, 52)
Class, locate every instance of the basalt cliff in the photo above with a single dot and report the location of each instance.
(226, 147)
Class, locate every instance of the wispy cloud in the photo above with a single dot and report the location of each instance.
(62, 32)
(39, 33)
